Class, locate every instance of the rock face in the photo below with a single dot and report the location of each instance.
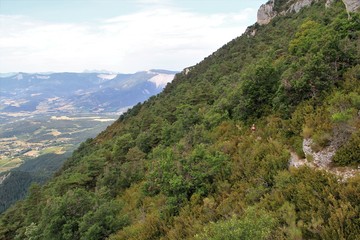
(321, 158)
(298, 5)
(267, 12)
(352, 5)
(328, 3)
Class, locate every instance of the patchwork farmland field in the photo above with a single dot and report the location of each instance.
(26, 137)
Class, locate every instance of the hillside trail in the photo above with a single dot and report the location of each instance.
(321, 160)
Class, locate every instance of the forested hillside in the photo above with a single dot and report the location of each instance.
(16, 182)
(186, 165)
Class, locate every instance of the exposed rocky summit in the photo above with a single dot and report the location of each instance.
(269, 10)
(266, 13)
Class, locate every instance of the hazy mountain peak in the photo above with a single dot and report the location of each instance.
(107, 76)
(19, 76)
(42, 77)
(79, 92)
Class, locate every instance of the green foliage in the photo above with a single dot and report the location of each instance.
(257, 89)
(307, 39)
(259, 161)
(287, 216)
(344, 106)
(314, 194)
(180, 178)
(15, 186)
(255, 224)
(317, 59)
(122, 146)
(349, 153)
(341, 116)
(103, 221)
(62, 217)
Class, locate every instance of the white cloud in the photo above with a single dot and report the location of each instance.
(162, 37)
(152, 2)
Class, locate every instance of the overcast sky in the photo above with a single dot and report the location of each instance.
(116, 35)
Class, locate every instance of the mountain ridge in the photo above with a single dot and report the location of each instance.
(274, 8)
(78, 92)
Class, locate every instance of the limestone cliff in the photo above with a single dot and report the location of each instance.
(270, 9)
(298, 5)
(352, 5)
(266, 12)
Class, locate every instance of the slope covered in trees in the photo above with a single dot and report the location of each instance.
(185, 164)
(37, 170)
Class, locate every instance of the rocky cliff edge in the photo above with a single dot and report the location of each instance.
(268, 10)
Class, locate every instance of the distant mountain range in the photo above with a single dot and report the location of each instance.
(78, 92)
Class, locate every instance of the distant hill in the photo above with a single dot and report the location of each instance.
(79, 92)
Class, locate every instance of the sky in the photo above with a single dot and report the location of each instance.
(123, 36)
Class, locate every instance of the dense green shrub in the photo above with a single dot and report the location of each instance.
(349, 153)
(255, 224)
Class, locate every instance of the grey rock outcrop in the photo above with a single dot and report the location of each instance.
(298, 5)
(267, 11)
(352, 5)
(321, 160)
(328, 3)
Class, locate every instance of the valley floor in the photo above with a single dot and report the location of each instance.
(27, 137)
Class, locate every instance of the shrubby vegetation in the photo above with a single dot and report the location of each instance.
(349, 153)
(185, 164)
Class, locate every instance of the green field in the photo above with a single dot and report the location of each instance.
(9, 163)
(25, 138)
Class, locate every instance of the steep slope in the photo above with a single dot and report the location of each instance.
(16, 182)
(185, 164)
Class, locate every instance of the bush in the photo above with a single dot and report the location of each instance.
(321, 140)
(349, 153)
(255, 224)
